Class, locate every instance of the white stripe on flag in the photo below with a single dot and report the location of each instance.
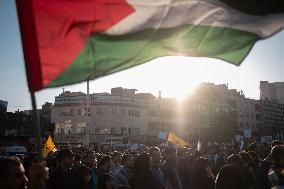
(167, 14)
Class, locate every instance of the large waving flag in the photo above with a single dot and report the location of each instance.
(69, 41)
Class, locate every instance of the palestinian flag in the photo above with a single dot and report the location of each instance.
(69, 41)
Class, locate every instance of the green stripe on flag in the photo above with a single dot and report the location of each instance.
(105, 54)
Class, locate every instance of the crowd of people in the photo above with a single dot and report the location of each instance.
(256, 167)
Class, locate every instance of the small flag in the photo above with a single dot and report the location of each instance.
(176, 140)
(48, 147)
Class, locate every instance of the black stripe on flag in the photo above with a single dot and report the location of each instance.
(257, 7)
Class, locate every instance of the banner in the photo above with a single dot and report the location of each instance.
(162, 135)
(247, 133)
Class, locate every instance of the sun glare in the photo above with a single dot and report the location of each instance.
(180, 77)
(175, 76)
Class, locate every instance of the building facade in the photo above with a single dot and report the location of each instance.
(120, 114)
(212, 112)
(272, 116)
(272, 91)
(218, 111)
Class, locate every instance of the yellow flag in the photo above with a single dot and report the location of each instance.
(48, 147)
(176, 140)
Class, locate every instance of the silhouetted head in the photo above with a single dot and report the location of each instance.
(143, 164)
(12, 174)
(229, 177)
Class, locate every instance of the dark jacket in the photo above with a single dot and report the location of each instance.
(103, 178)
(171, 173)
(60, 179)
(145, 181)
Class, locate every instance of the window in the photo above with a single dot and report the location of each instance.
(99, 111)
(115, 130)
(137, 131)
(137, 113)
(153, 113)
(123, 112)
(123, 130)
(106, 111)
(132, 113)
(103, 130)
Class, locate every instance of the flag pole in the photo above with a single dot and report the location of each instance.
(88, 115)
(36, 125)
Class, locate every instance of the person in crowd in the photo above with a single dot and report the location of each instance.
(142, 174)
(229, 177)
(122, 176)
(246, 172)
(116, 161)
(254, 161)
(253, 147)
(103, 173)
(134, 155)
(254, 164)
(276, 173)
(202, 176)
(124, 187)
(12, 174)
(90, 159)
(77, 160)
(185, 166)
(265, 167)
(170, 170)
(218, 160)
(61, 178)
(82, 177)
(91, 162)
(38, 175)
(156, 168)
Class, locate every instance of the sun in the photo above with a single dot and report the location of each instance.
(181, 92)
(179, 77)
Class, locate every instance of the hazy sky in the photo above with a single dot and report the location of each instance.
(174, 76)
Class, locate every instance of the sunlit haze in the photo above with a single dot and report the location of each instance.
(175, 77)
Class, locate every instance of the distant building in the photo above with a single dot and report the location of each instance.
(220, 112)
(272, 116)
(212, 112)
(17, 127)
(3, 106)
(272, 91)
(123, 113)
